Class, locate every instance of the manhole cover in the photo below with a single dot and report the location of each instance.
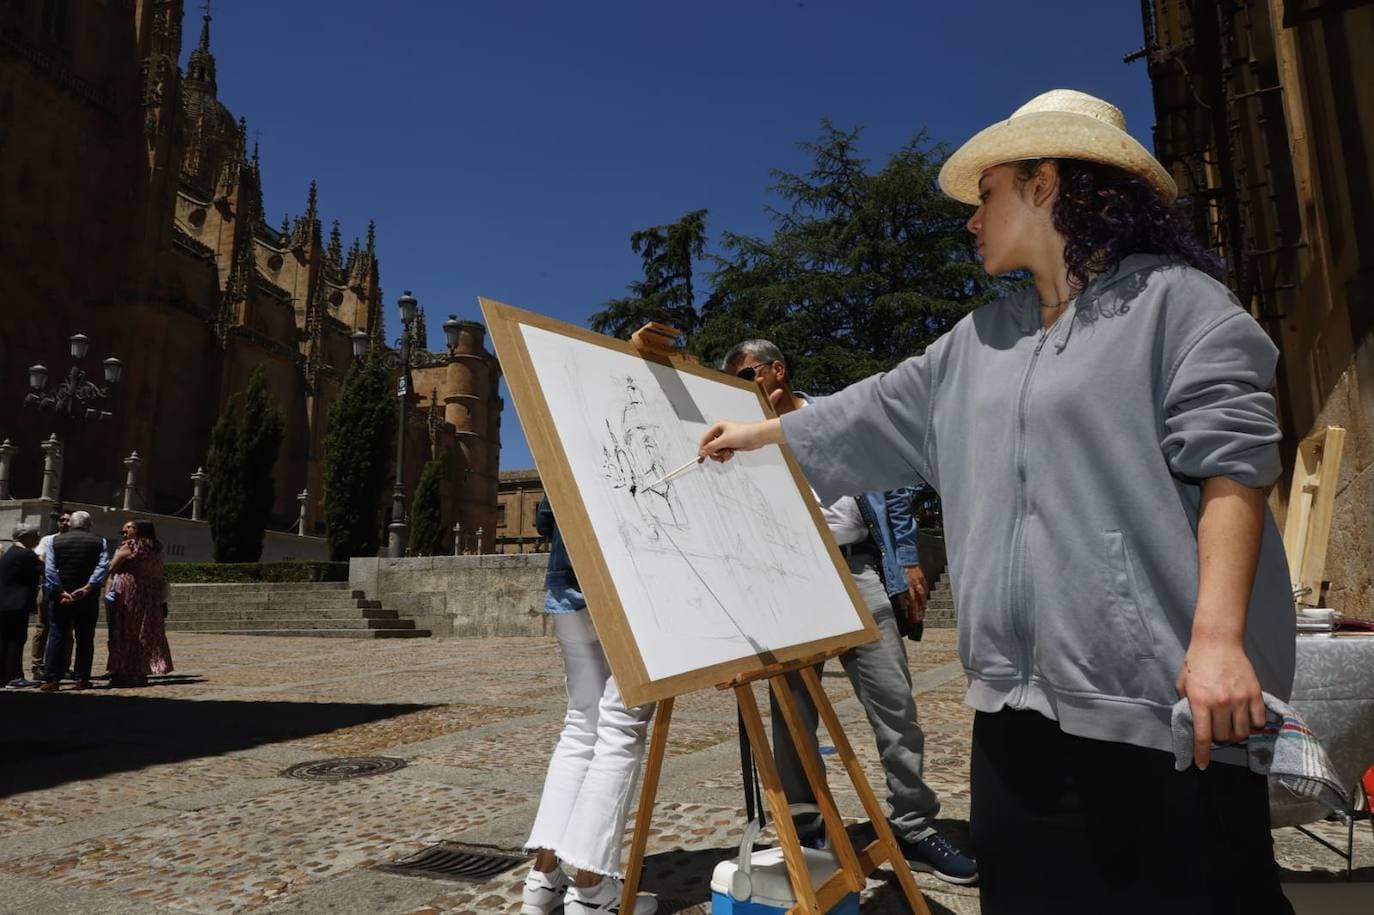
(454, 862)
(337, 770)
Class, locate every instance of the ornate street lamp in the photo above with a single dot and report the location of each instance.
(403, 358)
(75, 398)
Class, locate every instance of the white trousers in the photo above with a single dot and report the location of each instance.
(595, 765)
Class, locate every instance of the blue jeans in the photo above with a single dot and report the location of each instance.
(64, 621)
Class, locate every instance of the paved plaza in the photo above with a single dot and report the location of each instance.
(173, 798)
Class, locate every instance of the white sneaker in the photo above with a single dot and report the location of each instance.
(543, 891)
(604, 899)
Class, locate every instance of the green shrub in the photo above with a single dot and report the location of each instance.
(202, 573)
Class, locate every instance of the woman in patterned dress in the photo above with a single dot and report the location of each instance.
(138, 646)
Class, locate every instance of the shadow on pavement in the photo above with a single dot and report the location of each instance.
(51, 739)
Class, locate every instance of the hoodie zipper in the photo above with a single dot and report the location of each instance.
(1021, 620)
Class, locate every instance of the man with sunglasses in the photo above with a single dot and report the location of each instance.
(877, 534)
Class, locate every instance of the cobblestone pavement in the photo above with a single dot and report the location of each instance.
(173, 798)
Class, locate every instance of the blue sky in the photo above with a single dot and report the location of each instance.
(509, 149)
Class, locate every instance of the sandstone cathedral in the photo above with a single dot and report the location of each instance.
(132, 212)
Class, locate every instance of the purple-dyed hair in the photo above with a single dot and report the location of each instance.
(1106, 213)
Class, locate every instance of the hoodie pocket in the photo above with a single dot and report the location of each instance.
(1123, 604)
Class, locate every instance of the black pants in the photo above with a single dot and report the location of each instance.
(75, 621)
(1067, 824)
(14, 629)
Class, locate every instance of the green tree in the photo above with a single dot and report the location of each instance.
(243, 451)
(426, 513)
(357, 445)
(670, 253)
(863, 270)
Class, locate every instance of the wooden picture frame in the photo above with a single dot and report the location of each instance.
(637, 686)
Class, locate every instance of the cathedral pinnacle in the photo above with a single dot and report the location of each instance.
(335, 251)
(200, 67)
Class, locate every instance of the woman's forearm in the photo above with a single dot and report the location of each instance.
(1230, 525)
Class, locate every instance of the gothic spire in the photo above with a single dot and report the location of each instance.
(312, 200)
(334, 256)
(371, 237)
(200, 66)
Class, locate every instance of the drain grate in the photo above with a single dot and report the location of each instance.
(453, 862)
(338, 770)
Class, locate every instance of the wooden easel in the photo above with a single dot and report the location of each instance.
(854, 864)
(1311, 502)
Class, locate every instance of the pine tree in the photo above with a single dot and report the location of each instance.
(243, 451)
(863, 270)
(426, 513)
(362, 423)
(665, 294)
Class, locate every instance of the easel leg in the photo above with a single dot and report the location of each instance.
(797, 870)
(658, 743)
(820, 788)
(876, 815)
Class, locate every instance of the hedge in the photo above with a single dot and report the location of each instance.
(194, 573)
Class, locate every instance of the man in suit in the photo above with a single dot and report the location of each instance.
(73, 573)
(20, 573)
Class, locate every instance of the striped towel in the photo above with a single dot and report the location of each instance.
(1285, 750)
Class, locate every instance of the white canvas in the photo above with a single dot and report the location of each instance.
(721, 563)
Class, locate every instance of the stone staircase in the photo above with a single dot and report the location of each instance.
(940, 612)
(315, 609)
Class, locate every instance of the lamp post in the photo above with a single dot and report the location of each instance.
(71, 400)
(404, 358)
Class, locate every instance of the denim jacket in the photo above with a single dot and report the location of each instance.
(893, 527)
(560, 581)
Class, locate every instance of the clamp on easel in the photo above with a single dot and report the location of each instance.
(655, 339)
(854, 864)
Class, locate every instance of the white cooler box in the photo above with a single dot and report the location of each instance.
(757, 883)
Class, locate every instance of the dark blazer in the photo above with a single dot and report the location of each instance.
(20, 572)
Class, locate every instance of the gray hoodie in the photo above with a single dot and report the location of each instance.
(1070, 465)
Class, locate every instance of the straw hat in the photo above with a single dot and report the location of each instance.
(1061, 123)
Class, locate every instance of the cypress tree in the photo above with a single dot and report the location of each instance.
(260, 438)
(223, 497)
(243, 450)
(357, 445)
(426, 512)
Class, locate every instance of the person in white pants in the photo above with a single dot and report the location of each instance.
(594, 767)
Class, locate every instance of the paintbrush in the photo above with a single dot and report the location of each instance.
(671, 475)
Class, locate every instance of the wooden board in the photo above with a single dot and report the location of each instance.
(1311, 501)
(656, 652)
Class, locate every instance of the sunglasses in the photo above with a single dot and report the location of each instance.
(749, 372)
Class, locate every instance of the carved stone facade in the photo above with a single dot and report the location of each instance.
(134, 213)
(1263, 117)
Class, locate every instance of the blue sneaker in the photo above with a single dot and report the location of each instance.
(934, 855)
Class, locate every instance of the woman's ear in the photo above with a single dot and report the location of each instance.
(1045, 183)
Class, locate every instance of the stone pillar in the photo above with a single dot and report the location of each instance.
(479, 541)
(7, 453)
(198, 494)
(52, 455)
(457, 538)
(131, 479)
(303, 498)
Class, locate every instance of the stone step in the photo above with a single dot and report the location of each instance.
(315, 601)
(325, 633)
(200, 613)
(230, 586)
(285, 623)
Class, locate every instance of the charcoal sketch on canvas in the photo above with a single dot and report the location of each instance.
(719, 563)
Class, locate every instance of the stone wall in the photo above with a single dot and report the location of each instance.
(469, 596)
(183, 540)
